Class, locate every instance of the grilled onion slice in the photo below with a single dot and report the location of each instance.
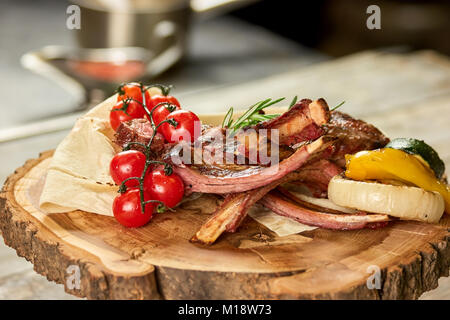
(404, 202)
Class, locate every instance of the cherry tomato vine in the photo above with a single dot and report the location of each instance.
(147, 151)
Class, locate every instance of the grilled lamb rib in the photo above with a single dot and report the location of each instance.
(351, 136)
(312, 164)
(234, 209)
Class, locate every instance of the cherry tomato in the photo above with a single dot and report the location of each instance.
(161, 112)
(132, 90)
(127, 164)
(118, 115)
(187, 124)
(158, 98)
(127, 209)
(166, 188)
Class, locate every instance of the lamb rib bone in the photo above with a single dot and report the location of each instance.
(281, 205)
(234, 209)
(252, 177)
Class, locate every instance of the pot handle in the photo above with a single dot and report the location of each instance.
(211, 8)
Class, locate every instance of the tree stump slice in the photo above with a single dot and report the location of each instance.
(158, 262)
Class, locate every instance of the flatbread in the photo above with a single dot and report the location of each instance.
(78, 176)
(282, 226)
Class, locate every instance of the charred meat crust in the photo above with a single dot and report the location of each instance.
(138, 130)
(230, 214)
(302, 122)
(353, 135)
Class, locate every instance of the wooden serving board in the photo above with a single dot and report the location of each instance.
(158, 262)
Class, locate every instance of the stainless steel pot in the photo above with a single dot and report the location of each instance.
(151, 35)
(161, 26)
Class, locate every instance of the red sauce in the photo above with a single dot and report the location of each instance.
(108, 71)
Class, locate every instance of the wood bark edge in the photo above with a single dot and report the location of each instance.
(51, 257)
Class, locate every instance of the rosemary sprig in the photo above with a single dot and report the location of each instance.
(293, 102)
(263, 117)
(228, 119)
(338, 106)
(252, 116)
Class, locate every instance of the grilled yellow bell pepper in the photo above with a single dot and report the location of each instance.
(392, 164)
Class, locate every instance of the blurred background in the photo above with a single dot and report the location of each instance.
(195, 50)
(216, 54)
(334, 27)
